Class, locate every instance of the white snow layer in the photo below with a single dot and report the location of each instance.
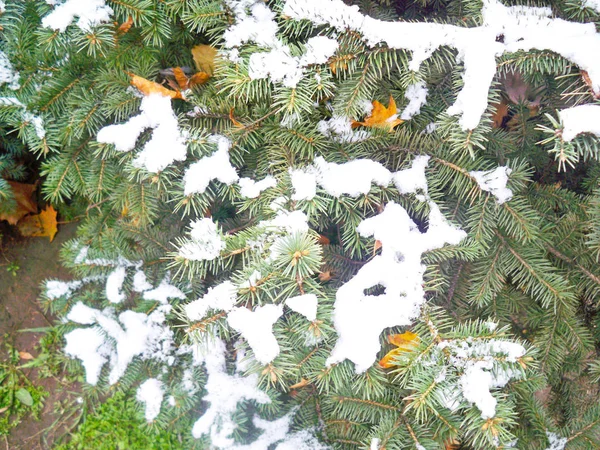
(304, 304)
(580, 119)
(114, 284)
(494, 182)
(523, 28)
(214, 167)
(205, 243)
(358, 318)
(56, 288)
(166, 144)
(8, 73)
(151, 393)
(90, 12)
(339, 129)
(417, 97)
(594, 4)
(163, 292)
(221, 297)
(252, 189)
(257, 328)
(555, 441)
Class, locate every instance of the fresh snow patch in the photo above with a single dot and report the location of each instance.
(594, 4)
(358, 318)
(301, 440)
(89, 346)
(214, 167)
(114, 284)
(151, 393)
(166, 145)
(224, 392)
(494, 182)
(252, 189)
(412, 179)
(221, 297)
(375, 444)
(8, 73)
(304, 304)
(205, 243)
(417, 97)
(90, 12)
(580, 119)
(163, 292)
(56, 289)
(339, 129)
(257, 328)
(304, 182)
(140, 283)
(555, 441)
(352, 178)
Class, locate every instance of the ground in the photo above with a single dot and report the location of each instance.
(37, 259)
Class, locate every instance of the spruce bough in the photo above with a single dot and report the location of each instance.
(251, 248)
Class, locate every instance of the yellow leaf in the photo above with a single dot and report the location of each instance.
(23, 195)
(198, 78)
(204, 57)
(303, 382)
(42, 224)
(148, 87)
(25, 355)
(125, 26)
(381, 117)
(404, 342)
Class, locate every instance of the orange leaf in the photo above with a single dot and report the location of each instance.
(323, 240)
(500, 114)
(404, 342)
(180, 77)
(381, 117)
(25, 355)
(148, 87)
(198, 78)
(125, 26)
(42, 224)
(325, 276)
(204, 58)
(303, 382)
(233, 119)
(23, 194)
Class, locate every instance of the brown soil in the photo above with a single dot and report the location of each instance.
(38, 259)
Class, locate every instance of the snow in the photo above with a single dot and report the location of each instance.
(494, 182)
(258, 26)
(2, 6)
(252, 189)
(375, 444)
(580, 119)
(301, 440)
(594, 4)
(304, 182)
(8, 73)
(475, 384)
(214, 167)
(304, 304)
(523, 28)
(257, 328)
(417, 97)
(358, 318)
(166, 145)
(224, 392)
(555, 441)
(134, 334)
(318, 50)
(163, 292)
(352, 178)
(151, 393)
(37, 122)
(272, 432)
(56, 288)
(90, 12)
(221, 297)
(205, 242)
(339, 129)
(140, 283)
(412, 179)
(114, 284)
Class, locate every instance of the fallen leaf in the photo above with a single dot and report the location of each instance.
(148, 87)
(325, 276)
(180, 77)
(204, 58)
(323, 240)
(303, 382)
(125, 26)
(588, 81)
(3, 409)
(42, 224)
(233, 119)
(381, 117)
(24, 397)
(23, 194)
(25, 355)
(377, 245)
(197, 79)
(405, 342)
(500, 114)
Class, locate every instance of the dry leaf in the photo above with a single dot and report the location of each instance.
(381, 117)
(125, 26)
(25, 355)
(148, 87)
(325, 276)
(377, 245)
(42, 224)
(180, 77)
(588, 81)
(23, 194)
(233, 119)
(204, 58)
(323, 240)
(404, 342)
(303, 382)
(500, 114)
